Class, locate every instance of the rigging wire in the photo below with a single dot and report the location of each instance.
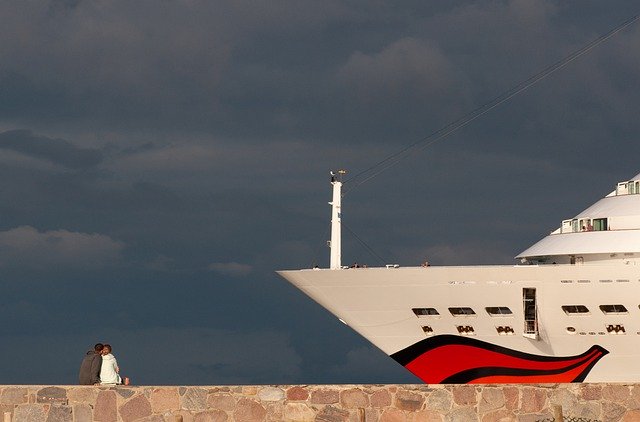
(423, 143)
(362, 242)
(393, 159)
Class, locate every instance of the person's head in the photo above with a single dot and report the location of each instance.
(98, 347)
(106, 349)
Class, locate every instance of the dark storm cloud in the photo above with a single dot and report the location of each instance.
(119, 60)
(57, 151)
(26, 246)
(269, 70)
(171, 64)
(209, 129)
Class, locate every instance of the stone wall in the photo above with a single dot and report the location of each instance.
(349, 403)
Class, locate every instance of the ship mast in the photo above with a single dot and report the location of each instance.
(336, 215)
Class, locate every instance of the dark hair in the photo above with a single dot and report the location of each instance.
(108, 347)
(98, 347)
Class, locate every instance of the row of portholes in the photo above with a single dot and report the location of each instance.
(468, 330)
(506, 330)
(463, 311)
(601, 281)
(505, 311)
(606, 309)
(615, 329)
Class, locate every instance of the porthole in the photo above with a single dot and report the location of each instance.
(462, 311)
(613, 309)
(571, 330)
(422, 312)
(575, 309)
(498, 311)
(615, 329)
(465, 330)
(427, 330)
(505, 330)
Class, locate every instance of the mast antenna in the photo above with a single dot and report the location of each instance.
(335, 244)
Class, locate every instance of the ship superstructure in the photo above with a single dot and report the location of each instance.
(569, 311)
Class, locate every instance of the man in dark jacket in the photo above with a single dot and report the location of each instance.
(90, 367)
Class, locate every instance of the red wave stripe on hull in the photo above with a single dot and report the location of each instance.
(449, 359)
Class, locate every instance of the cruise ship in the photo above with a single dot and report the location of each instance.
(568, 311)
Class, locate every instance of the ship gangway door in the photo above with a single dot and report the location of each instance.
(530, 310)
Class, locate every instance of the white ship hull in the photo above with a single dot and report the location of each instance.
(570, 314)
(378, 303)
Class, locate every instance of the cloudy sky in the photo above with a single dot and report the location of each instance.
(159, 160)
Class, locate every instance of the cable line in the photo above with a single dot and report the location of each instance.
(466, 119)
(362, 242)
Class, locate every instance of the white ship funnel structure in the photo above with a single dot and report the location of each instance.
(335, 261)
(607, 232)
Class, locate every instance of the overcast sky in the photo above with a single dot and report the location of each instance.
(159, 160)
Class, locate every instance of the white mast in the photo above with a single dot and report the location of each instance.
(336, 215)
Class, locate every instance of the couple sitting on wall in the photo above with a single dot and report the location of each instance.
(99, 366)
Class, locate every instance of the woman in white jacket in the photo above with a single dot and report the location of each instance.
(109, 372)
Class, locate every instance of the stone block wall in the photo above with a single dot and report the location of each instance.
(327, 403)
